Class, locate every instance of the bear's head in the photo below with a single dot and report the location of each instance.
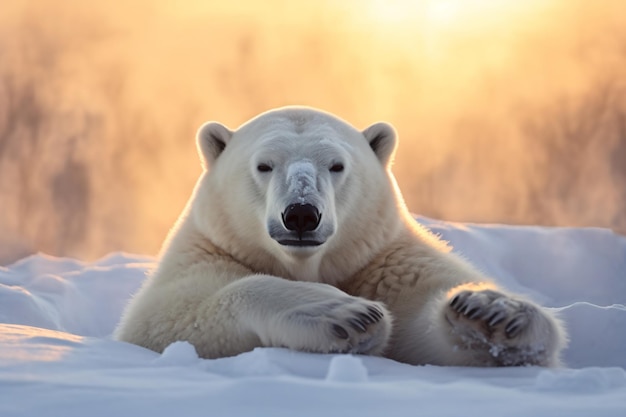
(295, 184)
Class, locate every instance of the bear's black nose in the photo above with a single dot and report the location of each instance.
(301, 218)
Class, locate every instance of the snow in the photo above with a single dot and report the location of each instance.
(346, 368)
(57, 356)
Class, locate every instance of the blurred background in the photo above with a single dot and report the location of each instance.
(508, 111)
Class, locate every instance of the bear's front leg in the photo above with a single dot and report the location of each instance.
(503, 330)
(307, 316)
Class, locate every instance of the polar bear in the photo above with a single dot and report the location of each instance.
(297, 236)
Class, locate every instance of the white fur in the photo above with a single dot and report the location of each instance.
(374, 283)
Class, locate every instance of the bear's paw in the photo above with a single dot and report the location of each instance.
(348, 325)
(512, 331)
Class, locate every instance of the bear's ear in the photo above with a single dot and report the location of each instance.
(382, 139)
(211, 140)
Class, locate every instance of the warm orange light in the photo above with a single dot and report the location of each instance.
(113, 96)
(25, 343)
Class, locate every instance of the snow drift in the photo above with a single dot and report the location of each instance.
(57, 356)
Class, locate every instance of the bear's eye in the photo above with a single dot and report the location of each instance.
(336, 167)
(264, 168)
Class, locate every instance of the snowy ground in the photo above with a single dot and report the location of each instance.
(57, 357)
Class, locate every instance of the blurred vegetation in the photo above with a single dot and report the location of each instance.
(520, 124)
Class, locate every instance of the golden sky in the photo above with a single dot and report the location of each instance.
(127, 83)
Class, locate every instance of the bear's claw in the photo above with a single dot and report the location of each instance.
(515, 326)
(375, 313)
(340, 332)
(358, 324)
(491, 308)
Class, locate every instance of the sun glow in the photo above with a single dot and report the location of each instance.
(394, 11)
(438, 33)
(448, 14)
(24, 343)
(442, 12)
